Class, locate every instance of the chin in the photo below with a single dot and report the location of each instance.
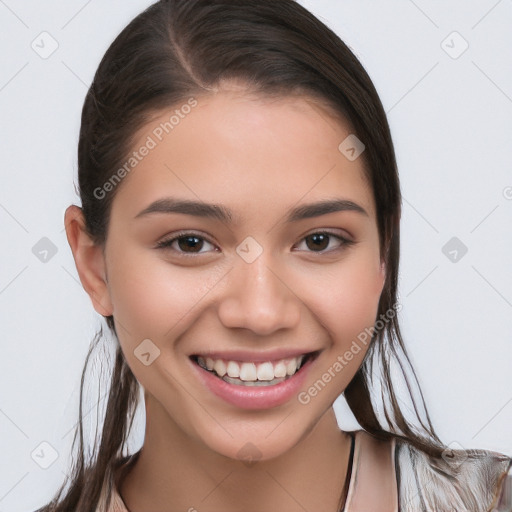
(251, 442)
(252, 449)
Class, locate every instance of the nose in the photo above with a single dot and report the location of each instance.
(259, 298)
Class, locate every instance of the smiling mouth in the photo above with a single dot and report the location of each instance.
(240, 373)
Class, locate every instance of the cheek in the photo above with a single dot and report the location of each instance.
(353, 294)
(347, 311)
(143, 295)
(358, 300)
(152, 298)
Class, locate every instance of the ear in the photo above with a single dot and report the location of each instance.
(383, 270)
(89, 261)
(382, 275)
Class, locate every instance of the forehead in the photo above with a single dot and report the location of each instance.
(243, 151)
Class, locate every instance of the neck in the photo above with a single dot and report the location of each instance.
(175, 472)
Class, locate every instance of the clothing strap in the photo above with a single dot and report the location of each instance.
(373, 485)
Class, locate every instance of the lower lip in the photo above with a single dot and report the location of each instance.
(254, 397)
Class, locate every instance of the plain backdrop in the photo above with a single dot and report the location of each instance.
(443, 72)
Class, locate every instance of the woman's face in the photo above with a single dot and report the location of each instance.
(252, 276)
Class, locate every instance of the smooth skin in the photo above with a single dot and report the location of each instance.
(260, 158)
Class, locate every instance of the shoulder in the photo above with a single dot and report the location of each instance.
(460, 480)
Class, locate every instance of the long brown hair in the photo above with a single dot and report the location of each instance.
(177, 49)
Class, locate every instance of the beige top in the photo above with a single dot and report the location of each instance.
(386, 474)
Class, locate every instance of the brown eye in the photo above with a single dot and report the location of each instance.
(185, 243)
(320, 242)
(193, 244)
(189, 243)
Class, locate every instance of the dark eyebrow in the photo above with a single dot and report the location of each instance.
(200, 209)
(308, 211)
(188, 207)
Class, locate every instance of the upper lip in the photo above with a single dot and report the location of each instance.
(254, 356)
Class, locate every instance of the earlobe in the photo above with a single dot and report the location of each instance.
(383, 270)
(382, 273)
(89, 261)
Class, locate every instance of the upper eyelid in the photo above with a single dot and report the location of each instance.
(182, 234)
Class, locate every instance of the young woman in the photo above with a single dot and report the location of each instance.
(239, 231)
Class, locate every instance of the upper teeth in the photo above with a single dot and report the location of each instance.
(266, 371)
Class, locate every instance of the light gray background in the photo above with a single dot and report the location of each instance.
(451, 120)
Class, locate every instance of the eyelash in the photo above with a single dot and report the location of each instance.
(166, 243)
